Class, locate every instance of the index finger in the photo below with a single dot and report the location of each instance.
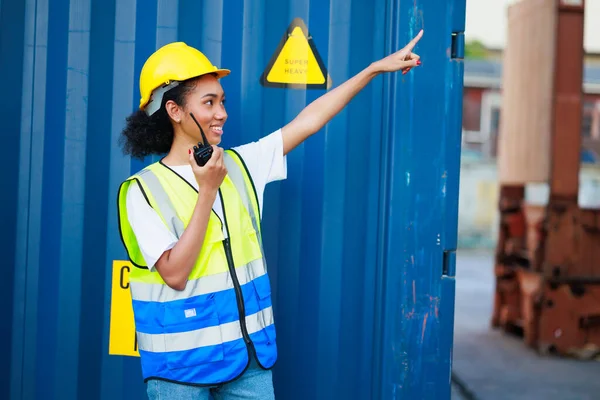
(415, 40)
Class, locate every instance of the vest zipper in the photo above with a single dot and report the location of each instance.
(236, 283)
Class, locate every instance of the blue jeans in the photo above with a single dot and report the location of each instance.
(255, 384)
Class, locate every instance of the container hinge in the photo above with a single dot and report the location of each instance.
(458, 45)
(449, 263)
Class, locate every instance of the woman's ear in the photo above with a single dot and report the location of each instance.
(174, 111)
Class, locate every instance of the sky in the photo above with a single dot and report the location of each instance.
(486, 21)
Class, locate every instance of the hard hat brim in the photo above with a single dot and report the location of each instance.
(220, 73)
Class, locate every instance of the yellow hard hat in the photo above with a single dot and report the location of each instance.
(169, 65)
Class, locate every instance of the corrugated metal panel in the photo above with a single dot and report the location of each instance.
(11, 54)
(524, 148)
(356, 236)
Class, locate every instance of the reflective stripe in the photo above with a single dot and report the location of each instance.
(214, 335)
(209, 284)
(236, 175)
(167, 210)
(163, 202)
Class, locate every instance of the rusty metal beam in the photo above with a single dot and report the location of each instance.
(567, 101)
(554, 298)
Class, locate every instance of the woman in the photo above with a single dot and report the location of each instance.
(201, 293)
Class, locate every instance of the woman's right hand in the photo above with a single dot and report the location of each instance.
(211, 175)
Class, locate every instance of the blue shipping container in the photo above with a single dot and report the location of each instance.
(360, 238)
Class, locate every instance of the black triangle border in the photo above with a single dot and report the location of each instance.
(297, 22)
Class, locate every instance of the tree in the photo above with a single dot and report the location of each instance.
(474, 50)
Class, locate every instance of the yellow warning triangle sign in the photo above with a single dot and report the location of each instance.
(296, 62)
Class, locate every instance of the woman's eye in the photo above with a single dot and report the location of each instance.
(211, 102)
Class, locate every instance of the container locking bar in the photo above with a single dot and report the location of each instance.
(449, 263)
(458, 45)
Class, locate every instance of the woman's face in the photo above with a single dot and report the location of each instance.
(207, 103)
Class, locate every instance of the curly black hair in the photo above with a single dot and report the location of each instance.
(145, 135)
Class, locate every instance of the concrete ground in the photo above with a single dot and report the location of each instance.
(489, 364)
(457, 394)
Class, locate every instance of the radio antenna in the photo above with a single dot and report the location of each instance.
(205, 142)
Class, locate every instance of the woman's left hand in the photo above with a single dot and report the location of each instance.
(403, 59)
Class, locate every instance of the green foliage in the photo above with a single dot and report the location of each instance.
(475, 50)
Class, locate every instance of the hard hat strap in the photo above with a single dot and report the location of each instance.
(157, 97)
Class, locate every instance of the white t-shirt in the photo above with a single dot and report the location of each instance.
(265, 162)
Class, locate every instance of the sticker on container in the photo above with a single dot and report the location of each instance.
(122, 338)
(296, 63)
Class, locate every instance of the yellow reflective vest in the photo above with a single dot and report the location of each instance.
(206, 333)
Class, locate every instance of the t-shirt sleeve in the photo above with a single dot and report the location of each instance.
(152, 235)
(265, 161)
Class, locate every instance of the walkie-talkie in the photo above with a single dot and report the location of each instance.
(203, 151)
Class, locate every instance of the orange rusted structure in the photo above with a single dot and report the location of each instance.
(547, 257)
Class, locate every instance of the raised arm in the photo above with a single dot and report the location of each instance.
(314, 116)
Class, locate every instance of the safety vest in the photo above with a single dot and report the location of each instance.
(206, 333)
